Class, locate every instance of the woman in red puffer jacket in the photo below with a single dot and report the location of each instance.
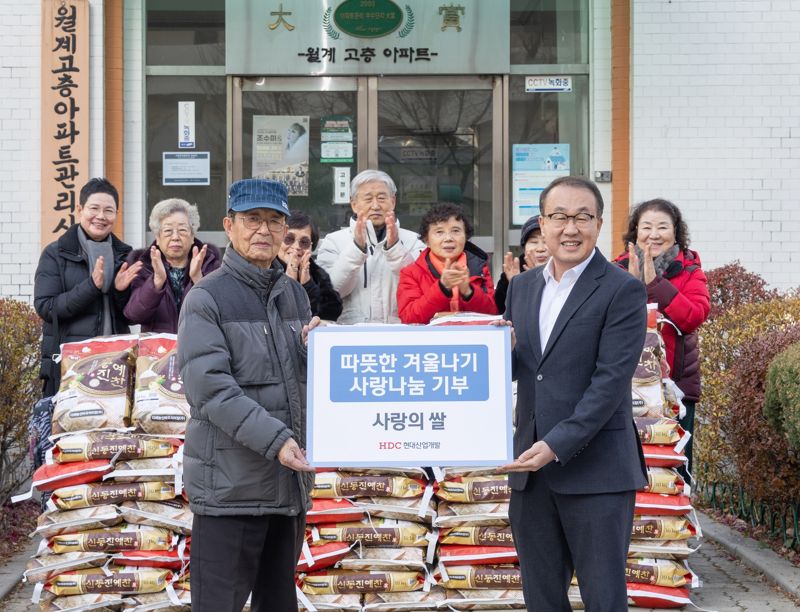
(451, 275)
(658, 254)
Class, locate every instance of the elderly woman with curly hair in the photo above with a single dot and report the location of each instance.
(450, 275)
(659, 255)
(171, 266)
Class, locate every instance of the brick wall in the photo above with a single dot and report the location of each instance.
(715, 101)
(600, 111)
(133, 124)
(20, 113)
(19, 147)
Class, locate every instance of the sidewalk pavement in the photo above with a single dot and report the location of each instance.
(754, 554)
(726, 588)
(11, 572)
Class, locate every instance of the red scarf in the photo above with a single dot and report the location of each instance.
(439, 265)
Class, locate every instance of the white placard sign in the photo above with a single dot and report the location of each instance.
(548, 83)
(398, 395)
(186, 135)
(185, 168)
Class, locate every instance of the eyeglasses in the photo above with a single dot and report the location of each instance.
(456, 232)
(304, 242)
(368, 198)
(254, 223)
(106, 212)
(169, 232)
(560, 220)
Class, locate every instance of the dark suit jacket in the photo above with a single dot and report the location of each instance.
(576, 395)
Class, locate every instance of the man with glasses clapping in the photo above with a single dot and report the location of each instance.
(364, 260)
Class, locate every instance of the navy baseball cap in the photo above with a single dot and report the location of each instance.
(248, 194)
(531, 225)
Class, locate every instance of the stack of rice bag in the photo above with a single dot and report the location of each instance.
(115, 531)
(369, 535)
(477, 562)
(658, 573)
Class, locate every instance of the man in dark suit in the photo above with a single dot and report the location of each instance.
(579, 326)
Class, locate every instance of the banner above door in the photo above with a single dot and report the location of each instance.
(366, 37)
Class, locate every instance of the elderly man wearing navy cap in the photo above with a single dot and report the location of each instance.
(242, 339)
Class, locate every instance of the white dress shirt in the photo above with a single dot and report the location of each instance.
(555, 295)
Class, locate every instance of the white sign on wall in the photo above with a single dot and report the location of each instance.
(186, 135)
(395, 395)
(544, 84)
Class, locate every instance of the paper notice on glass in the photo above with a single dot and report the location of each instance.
(336, 139)
(280, 150)
(184, 168)
(533, 167)
(419, 193)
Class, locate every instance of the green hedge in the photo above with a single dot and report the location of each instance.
(782, 395)
(20, 336)
(724, 362)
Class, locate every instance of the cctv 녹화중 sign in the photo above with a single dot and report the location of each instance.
(409, 395)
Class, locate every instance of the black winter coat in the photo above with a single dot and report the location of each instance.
(324, 299)
(63, 288)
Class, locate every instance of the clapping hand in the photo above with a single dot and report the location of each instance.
(635, 263)
(159, 272)
(360, 232)
(304, 270)
(511, 265)
(196, 264)
(392, 232)
(456, 274)
(126, 274)
(98, 274)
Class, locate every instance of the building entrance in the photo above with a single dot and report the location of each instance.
(440, 138)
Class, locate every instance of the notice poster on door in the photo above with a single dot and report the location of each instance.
(336, 139)
(533, 167)
(280, 150)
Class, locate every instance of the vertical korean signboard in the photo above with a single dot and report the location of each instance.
(409, 395)
(65, 112)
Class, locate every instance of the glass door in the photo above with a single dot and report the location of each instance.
(301, 131)
(440, 138)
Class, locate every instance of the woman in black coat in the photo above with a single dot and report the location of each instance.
(300, 241)
(82, 280)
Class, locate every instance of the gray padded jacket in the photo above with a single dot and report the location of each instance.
(244, 371)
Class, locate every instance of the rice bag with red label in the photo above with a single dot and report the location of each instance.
(506, 576)
(95, 494)
(160, 405)
(484, 514)
(120, 580)
(651, 596)
(328, 582)
(108, 444)
(455, 554)
(112, 539)
(341, 484)
(471, 489)
(96, 389)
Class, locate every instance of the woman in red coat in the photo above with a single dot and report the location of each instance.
(659, 255)
(451, 275)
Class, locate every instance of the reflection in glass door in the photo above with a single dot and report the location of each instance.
(312, 102)
(438, 137)
(435, 137)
